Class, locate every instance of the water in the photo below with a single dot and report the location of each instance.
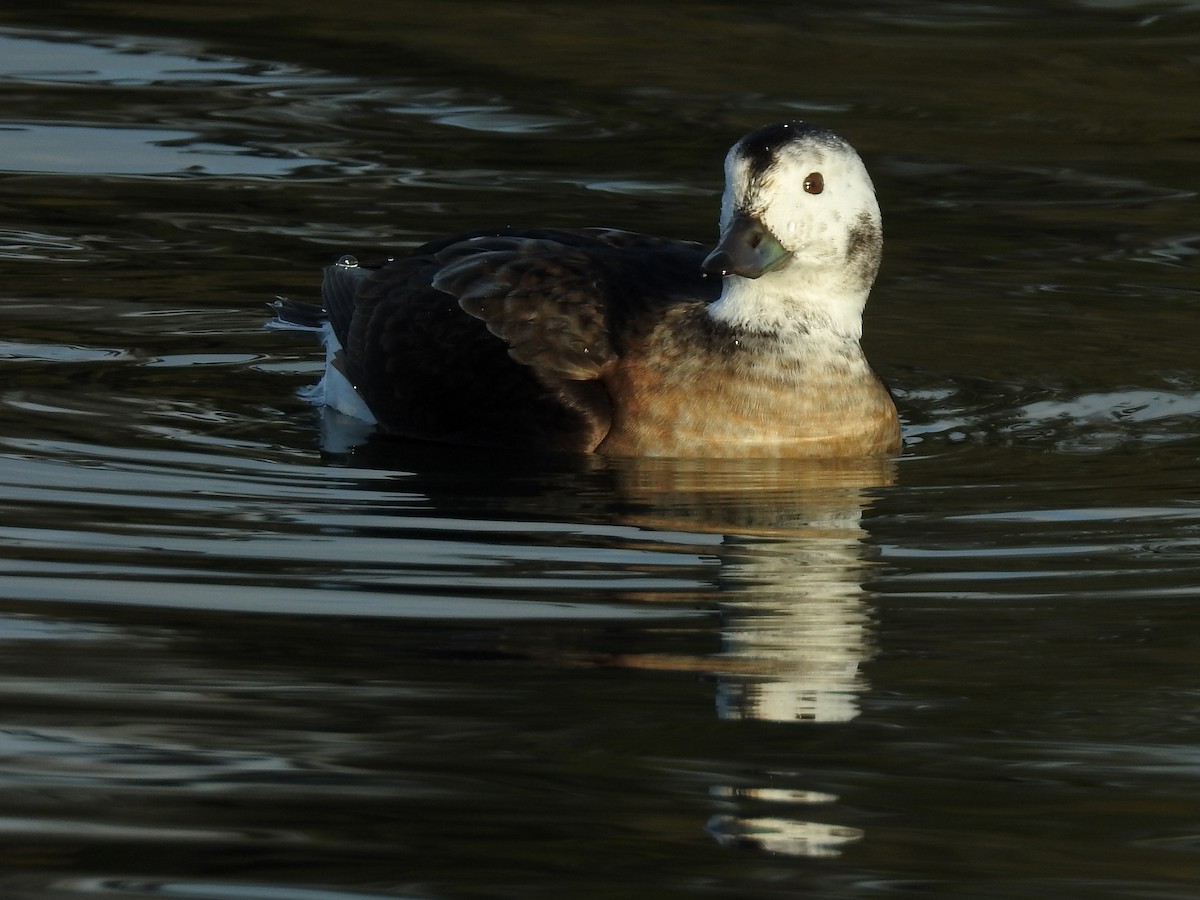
(240, 660)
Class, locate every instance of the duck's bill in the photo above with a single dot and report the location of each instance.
(747, 248)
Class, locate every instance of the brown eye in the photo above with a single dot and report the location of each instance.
(814, 183)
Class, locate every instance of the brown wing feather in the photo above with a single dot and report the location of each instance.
(502, 338)
(546, 301)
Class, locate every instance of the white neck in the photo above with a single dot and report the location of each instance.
(787, 303)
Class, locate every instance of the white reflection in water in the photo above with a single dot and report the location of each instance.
(67, 57)
(97, 150)
(793, 835)
(800, 632)
(796, 624)
(20, 350)
(1099, 421)
(1117, 406)
(497, 120)
(786, 836)
(211, 890)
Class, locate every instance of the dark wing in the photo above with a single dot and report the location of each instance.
(503, 337)
(564, 301)
(339, 293)
(547, 302)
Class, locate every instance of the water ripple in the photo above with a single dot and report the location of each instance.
(139, 889)
(78, 58)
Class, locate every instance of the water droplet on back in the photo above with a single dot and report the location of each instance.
(348, 262)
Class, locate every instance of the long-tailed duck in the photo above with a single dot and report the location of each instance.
(606, 341)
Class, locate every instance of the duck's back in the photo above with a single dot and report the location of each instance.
(502, 338)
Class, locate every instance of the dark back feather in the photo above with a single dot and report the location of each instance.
(502, 337)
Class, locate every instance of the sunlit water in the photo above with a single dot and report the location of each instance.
(244, 659)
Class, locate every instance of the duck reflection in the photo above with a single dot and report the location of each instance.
(789, 543)
(796, 625)
(780, 834)
(791, 558)
(796, 633)
(795, 619)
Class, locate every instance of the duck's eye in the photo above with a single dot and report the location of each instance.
(814, 183)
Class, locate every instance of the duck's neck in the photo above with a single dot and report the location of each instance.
(789, 307)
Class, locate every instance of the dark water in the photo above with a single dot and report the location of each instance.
(236, 667)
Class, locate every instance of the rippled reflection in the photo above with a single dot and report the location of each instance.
(72, 57)
(26, 147)
(789, 831)
(795, 620)
(792, 837)
(795, 626)
(208, 890)
(795, 641)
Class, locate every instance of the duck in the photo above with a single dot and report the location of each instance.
(605, 341)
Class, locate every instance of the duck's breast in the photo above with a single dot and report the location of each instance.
(688, 397)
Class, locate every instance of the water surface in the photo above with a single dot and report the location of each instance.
(242, 660)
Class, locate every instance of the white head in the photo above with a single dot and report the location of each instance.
(801, 234)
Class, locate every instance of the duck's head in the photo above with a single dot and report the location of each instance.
(801, 234)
